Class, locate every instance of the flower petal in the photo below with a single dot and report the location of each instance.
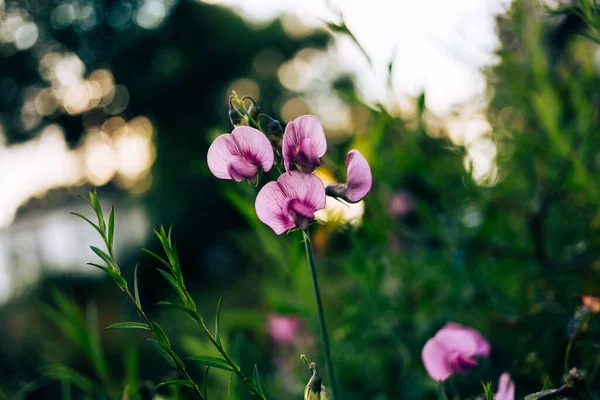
(305, 126)
(435, 356)
(219, 155)
(268, 205)
(307, 188)
(506, 388)
(240, 169)
(465, 340)
(358, 176)
(254, 146)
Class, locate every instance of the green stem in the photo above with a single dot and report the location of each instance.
(454, 388)
(568, 354)
(325, 338)
(219, 347)
(181, 368)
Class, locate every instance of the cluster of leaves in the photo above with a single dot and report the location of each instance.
(159, 340)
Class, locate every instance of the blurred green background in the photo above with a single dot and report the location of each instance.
(479, 120)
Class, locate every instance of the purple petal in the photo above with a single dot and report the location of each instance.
(240, 169)
(254, 146)
(240, 154)
(358, 176)
(268, 205)
(460, 363)
(219, 155)
(506, 388)
(435, 356)
(307, 188)
(463, 339)
(304, 127)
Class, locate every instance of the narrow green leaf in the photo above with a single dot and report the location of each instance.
(163, 353)
(205, 382)
(250, 383)
(128, 325)
(169, 234)
(178, 382)
(2, 395)
(96, 227)
(193, 314)
(547, 384)
(260, 385)
(136, 294)
(230, 387)
(210, 361)
(111, 227)
(487, 389)
(159, 258)
(105, 257)
(115, 275)
(535, 395)
(161, 336)
(217, 336)
(173, 283)
(98, 209)
(64, 373)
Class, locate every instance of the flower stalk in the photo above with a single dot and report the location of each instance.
(324, 336)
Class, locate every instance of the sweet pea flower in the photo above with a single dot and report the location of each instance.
(304, 143)
(283, 328)
(451, 351)
(358, 179)
(290, 202)
(506, 388)
(240, 154)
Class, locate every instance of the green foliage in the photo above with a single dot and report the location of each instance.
(487, 390)
(174, 277)
(212, 362)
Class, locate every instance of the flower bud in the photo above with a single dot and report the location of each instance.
(315, 390)
(235, 117)
(273, 126)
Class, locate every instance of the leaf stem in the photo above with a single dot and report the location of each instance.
(220, 349)
(169, 351)
(324, 336)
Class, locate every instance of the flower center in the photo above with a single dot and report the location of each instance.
(460, 363)
(298, 213)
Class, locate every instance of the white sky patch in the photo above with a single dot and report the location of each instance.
(437, 46)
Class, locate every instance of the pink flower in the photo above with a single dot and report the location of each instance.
(400, 204)
(304, 143)
(282, 328)
(506, 388)
(451, 351)
(291, 201)
(240, 154)
(358, 179)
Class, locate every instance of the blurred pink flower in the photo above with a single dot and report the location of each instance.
(451, 351)
(282, 328)
(240, 154)
(358, 179)
(304, 143)
(291, 201)
(400, 204)
(506, 388)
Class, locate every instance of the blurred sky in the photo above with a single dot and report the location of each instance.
(438, 46)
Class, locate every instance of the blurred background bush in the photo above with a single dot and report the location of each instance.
(479, 120)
